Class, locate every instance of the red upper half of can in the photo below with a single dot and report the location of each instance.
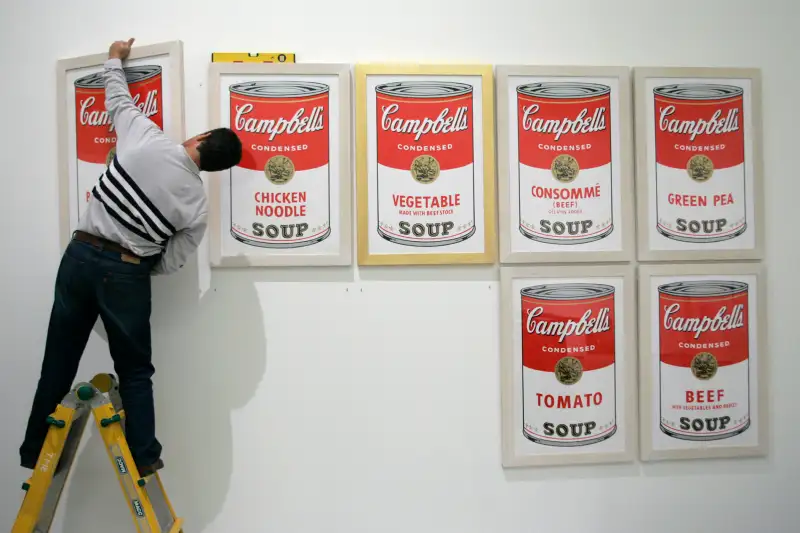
(279, 118)
(562, 321)
(424, 118)
(697, 317)
(557, 118)
(94, 132)
(692, 119)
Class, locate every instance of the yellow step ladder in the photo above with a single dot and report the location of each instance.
(147, 500)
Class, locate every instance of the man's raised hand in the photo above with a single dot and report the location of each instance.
(120, 49)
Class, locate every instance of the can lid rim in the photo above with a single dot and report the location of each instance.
(597, 89)
(568, 291)
(684, 288)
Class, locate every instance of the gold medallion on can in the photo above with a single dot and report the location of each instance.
(110, 156)
(425, 169)
(569, 370)
(279, 169)
(704, 366)
(565, 168)
(700, 168)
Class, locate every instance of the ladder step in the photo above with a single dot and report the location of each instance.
(176, 527)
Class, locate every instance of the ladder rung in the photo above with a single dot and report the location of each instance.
(176, 526)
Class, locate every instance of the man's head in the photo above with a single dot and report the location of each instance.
(215, 150)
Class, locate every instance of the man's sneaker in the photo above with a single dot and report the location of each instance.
(149, 470)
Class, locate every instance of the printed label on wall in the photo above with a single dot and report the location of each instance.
(570, 363)
(700, 164)
(564, 164)
(704, 344)
(425, 164)
(282, 198)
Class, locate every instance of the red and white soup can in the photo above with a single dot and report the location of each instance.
(704, 359)
(568, 364)
(564, 157)
(700, 171)
(426, 169)
(95, 136)
(280, 191)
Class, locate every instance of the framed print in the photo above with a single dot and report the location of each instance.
(699, 167)
(287, 203)
(703, 361)
(565, 149)
(425, 176)
(86, 136)
(568, 367)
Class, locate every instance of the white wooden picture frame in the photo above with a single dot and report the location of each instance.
(699, 164)
(288, 203)
(85, 136)
(568, 381)
(565, 160)
(703, 361)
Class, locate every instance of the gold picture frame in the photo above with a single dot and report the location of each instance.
(396, 251)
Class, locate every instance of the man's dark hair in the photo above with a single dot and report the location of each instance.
(221, 150)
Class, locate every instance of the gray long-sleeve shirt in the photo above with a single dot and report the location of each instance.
(151, 198)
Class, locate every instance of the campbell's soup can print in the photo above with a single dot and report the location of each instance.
(564, 132)
(426, 180)
(568, 363)
(95, 136)
(280, 191)
(704, 359)
(700, 173)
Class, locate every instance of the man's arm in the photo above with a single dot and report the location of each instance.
(130, 123)
(181, 245)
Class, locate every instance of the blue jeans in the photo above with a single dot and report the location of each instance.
(93, 282)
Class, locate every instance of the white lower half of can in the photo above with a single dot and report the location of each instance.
(579, 212)
(302, 218)
(88, 175)
(590, 418)
(728, 413)
(432, 214)
(711, 211)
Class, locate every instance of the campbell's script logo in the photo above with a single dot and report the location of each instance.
(563, 329)
(722, 321)
(97, 117)
(580, 125)
(440, 125)
(716, 125)
(299, 123)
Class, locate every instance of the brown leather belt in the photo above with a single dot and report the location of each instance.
(103, 243)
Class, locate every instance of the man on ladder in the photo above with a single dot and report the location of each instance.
(147, 214)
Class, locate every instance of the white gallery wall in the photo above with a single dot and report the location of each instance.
(367, 400)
